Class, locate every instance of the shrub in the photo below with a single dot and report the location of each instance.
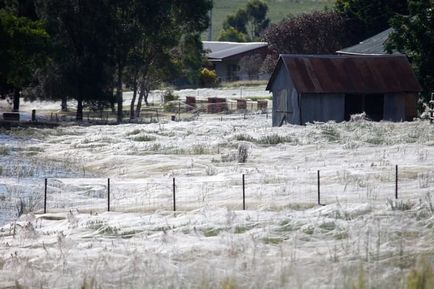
(169, 96)
(243, 153)
(208, 78)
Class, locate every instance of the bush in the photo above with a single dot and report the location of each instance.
(208, 78)
(243, 152)
(169, 96)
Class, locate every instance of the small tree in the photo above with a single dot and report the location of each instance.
(257, 18)
(414, 35)
(249, 22)
(232, 34)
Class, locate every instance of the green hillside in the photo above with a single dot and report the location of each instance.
(278, 9)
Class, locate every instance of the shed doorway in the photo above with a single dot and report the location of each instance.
(371, 104)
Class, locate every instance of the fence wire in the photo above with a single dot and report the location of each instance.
(262, 191)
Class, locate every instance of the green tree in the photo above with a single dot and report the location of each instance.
(257, 18)
(414, 35)
(232, 34)
(79, 59)
(365, 18)
(168, 42)
(237, 21)
(247, 23)
(22, 46)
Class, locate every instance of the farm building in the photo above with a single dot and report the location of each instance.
(374, 45)
(226, 59)
(309, 88)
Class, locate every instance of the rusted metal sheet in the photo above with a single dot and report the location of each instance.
(350, 74)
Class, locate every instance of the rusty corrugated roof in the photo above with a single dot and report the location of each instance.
(349, 74)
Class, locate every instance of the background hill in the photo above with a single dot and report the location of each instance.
(278, 9)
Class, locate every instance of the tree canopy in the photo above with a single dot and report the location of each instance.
(309, 33)
(247, 23)
(22, 50)
(365, 18)
(97, 47)
(414, 35)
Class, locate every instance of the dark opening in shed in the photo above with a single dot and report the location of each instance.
(308, 88)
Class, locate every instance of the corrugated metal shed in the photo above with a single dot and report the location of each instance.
(219, 50)
(371, 46)
(349, 74)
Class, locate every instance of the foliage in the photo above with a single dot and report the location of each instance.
(21, 51)
(208, 78)
(422, 277)
(258, 21)
(79, 66)
(232, 34)
(243, 152)
(313, 33)
(237, 21)
(249, 22)
(278, 10)
(365, 18)
(169, 95)
(414, 35)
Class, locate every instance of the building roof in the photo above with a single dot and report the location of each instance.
(219, 50)
(371, 46)
(348, 74)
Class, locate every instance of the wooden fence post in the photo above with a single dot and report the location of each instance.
(45, 197)
(244, 193)
(108, 194)
(174, 195)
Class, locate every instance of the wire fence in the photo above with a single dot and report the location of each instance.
(252, 191)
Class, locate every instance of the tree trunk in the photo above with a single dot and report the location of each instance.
(64, 105)
(139, 102)
(146, 98)
(79, 114)
(119, 98)
(133, 100)
(16, 103)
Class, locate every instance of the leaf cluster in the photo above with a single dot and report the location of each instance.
(247, 24)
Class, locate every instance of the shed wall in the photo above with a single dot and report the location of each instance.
(322, 107)
(285, 99)
(400, 107)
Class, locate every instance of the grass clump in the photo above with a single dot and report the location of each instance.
(144, 138)
(243, 153)
(422, 277)
(211, 232)
(244, 137)
(400, 205)
(134, 132)
(330, 132)
(273, 139)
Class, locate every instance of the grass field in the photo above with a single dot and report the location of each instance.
(278, 9)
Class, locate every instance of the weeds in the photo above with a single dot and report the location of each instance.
(144, 138)
(243, 153)
(422, 277)
(400, 205)
(271, 139)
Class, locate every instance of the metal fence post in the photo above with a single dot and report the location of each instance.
(319, 188)
(45, 196)
(396, 182)
(244, 193)
(108, 194)
(174, 195)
